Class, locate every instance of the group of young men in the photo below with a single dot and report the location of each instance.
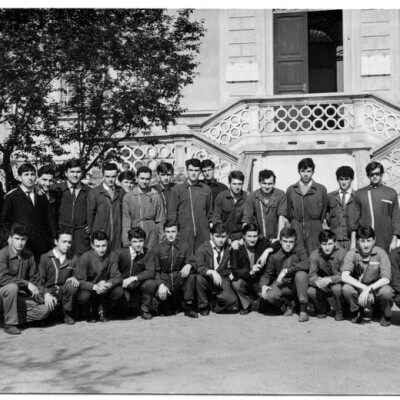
(132, 249)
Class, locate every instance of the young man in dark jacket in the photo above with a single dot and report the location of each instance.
(174, 273)
(247, 263)
(56, 272)
(208, 171)
(324, 277)
(285, 276)
(137, 274)
(99, 279)
(213, 281)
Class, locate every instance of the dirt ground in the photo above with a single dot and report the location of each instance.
(219, 354)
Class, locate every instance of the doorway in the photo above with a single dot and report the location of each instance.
(308, 52)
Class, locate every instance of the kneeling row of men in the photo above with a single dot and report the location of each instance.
(256, 275)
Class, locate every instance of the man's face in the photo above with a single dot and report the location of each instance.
(375, 177)
(306, 174)
(267, 185)
(45, 181)
(287, 244)
(127, 184)
(344, 183)
(208, 173)
(137, 244)
(165, 178)
(18, 242)
(74, 175)
(219, 239)
(63, 244)
(328, 247)
(28, 179)
(171, 233)
(236, 186)
(250, 238)
(193, 173)
(110, 177)
(143, 180)
(366, 245)
(100, 247)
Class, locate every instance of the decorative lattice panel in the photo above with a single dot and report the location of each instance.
(229, 128)
(306, 117)
(391, 164)
(381, 120)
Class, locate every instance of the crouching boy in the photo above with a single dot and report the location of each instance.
(56, 275)
(138, 274)
(247, 264)
(175, 277)
(99, 279)
(366, 275)
(213, 284)
(286, 276)
(324, 277)
(20, 299)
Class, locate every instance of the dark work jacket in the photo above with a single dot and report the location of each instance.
(37, 218)
(394, 257)
(53, 274)
(322, 266)
(294, 261)
(139, 267)
(216, 188)
(165, 194)
(168, 259)
(240, 262)
(92, 269)
(204, 260)
(229, 212)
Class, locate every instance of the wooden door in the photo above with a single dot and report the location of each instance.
(290, 53)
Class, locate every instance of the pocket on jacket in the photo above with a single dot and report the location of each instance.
(386, 207)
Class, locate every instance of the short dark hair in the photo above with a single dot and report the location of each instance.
(63, 231)
(110, 167)
(19, 229)
(306, 163)
(73, 163)
(136, 233)
(365, 232)
(250, 227)
(46, 170)
(165, 167)
(287, 232)
(144, 170)
(195, 162)
(345, 172)
(266, 174)
(169, 224)
(26, 167)
(207, 163)
(236, 175)
(326, 235)
(99, 235)
(128, 174)
(218, 228)
(374, 165)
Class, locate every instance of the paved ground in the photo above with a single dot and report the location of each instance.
(219, 354)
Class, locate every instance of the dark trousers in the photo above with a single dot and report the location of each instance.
(319, 298)
(89, 298)
(66, 296)
(139, 294)
(247, 292)
(223, 297)
(278, 295)
(384, 297)
(19, 308)
(308, 233)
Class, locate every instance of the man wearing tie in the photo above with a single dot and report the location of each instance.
(341, 207)
(24, 206)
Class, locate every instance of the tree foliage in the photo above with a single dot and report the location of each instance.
(122, 70)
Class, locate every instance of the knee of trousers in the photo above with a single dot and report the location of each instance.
(239, 285)
(201, 281)
(117, 292)
(10, 289)
(149, 286)
(337, 289)
(348, 290)
(301, 276)
(312, 292)
(84, 296)
(385, 293)
(67, 288)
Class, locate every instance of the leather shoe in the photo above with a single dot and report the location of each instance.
(385, 321)
(356, 317)
(146, 315)
(11, 330)
(68, 320)
(205, 312)
(103, 317)
(244, 312)
(321, 316)
(191, 314)
(303, 316)
(289, 310)
(339, 316)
